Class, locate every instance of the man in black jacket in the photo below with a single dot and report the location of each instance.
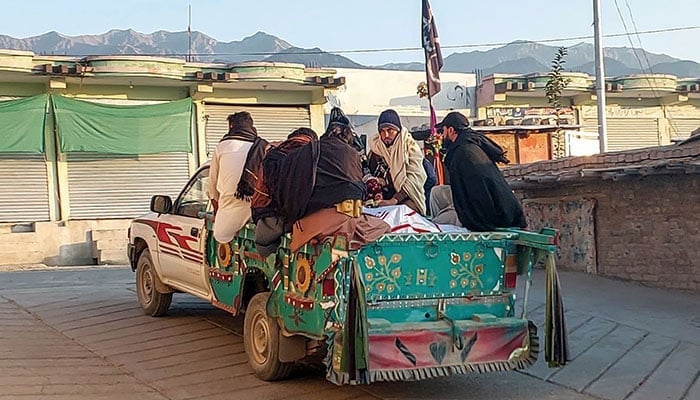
(321, 191)
(481, 197)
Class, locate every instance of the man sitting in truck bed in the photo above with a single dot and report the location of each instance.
(321, 189)
(266, 208)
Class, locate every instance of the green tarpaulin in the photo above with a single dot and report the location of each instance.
(123, 129)
(22, 125)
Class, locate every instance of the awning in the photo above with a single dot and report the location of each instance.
(22, 125)
(123, 129)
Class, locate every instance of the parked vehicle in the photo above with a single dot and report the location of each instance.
(405, 307)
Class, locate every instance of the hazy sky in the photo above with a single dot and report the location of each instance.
(366, 24)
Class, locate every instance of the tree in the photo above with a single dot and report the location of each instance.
(553, 90)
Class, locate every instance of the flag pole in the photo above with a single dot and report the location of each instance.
(433, 64)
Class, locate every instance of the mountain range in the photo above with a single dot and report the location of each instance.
(519, 57)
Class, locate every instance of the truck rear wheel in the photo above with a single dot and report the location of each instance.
(261, 339)
(153, 302)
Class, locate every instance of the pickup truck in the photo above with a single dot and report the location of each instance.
(405, 307)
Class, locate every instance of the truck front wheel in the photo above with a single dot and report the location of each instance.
(261, 339)
(153, 302)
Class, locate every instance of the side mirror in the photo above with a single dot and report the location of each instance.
(161, 204)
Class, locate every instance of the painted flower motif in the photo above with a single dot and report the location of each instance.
(368, 288)
(382, 260)
(369, 262)
(369, 277)
(466, 256)
(396, 272)
(396, 258)
(454, 272)
(454, 258)
(453, 284)
(479, 269)
(389, 288)
(473, 284)
(464, 282)
(380, 287)
(479, 254)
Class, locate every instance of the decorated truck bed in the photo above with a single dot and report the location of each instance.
(405, 307)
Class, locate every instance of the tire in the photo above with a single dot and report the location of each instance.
(261, 339)
(153, 302)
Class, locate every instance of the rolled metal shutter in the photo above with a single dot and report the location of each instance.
(24, 188)
(681, 128)
(121, 186)
(273, 122)
(632, 133)
(627, 133)
(589, 125)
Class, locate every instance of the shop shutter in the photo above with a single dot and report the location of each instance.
(273, 122)
(632, 133)
(121, 186)
(24, 192)
(681, 128)
(589, 125)
(627, 133)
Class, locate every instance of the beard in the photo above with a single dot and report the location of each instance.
(447, 143)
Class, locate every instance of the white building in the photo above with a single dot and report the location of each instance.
(368, 92)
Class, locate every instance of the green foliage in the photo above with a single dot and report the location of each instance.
(556, 83)
(553, 90)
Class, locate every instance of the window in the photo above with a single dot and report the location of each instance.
(194, 198)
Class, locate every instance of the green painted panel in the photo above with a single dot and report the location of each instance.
(418, 268)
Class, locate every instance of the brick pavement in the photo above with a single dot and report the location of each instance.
(81, 335)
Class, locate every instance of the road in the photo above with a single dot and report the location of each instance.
(79, 334)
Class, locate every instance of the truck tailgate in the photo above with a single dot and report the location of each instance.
(442, 265)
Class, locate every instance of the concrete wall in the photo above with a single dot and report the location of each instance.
(646, 230)
(65, 243)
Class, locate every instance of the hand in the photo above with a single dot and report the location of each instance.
(390, 202)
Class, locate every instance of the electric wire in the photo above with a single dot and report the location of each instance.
(646, 71)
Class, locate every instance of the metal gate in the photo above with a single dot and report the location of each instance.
(272, 122)
(121, 186)
(24, 188)
(627, 133)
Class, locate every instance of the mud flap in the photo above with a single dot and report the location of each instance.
(292, 348)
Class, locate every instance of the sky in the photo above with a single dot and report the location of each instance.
(368, 24)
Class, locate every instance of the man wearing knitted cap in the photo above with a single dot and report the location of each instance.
(397, 161)
(478, 194)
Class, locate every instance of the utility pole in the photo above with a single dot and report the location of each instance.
(600, 79)
(189, 35)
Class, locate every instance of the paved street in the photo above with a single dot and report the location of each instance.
(79, 334)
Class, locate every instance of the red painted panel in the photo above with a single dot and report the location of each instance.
(534, 147)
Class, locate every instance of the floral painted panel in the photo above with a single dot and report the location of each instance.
(575, 221)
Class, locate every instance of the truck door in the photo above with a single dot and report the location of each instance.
(182, 257)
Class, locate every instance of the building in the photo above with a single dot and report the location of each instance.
(368, 92)
(633, 214)
(70, 183)
(642, 110)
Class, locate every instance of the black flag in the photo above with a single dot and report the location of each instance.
(431, 45)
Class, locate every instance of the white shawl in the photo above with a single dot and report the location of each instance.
(405, 161)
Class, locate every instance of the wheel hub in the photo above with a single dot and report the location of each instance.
(147, 285)
(260, 337)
